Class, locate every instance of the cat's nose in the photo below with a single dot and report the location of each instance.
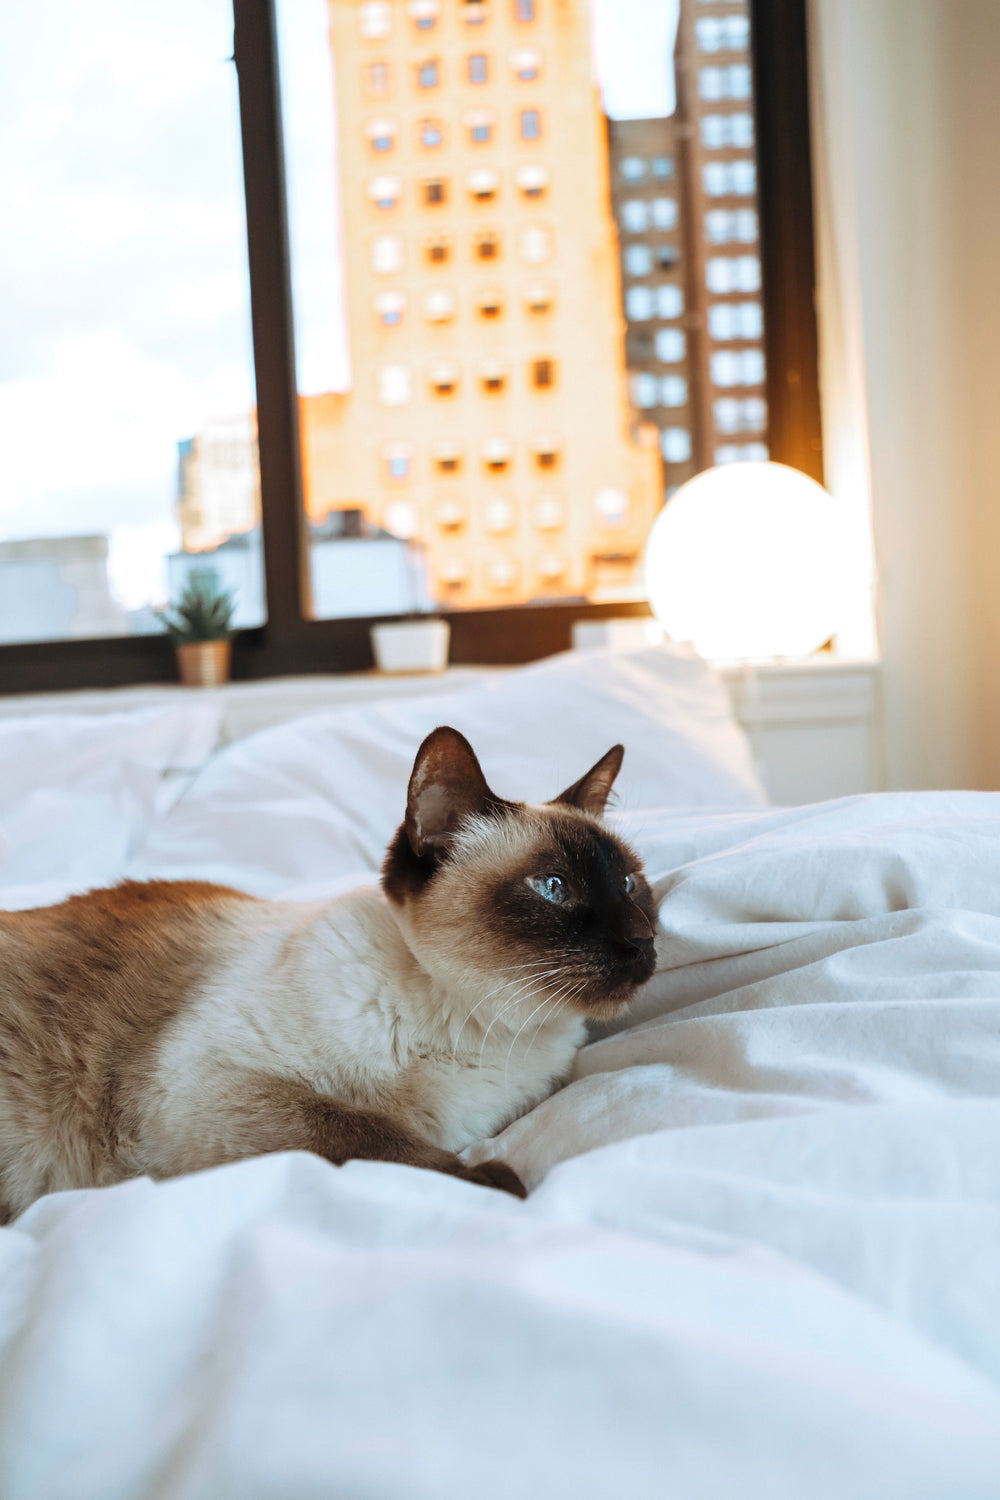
(641, 944)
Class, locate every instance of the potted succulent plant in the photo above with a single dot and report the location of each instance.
(201, 627)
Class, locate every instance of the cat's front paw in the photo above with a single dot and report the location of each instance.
(495, 1174)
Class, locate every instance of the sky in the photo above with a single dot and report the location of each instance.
(124, 298)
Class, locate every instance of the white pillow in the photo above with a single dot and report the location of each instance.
(311, 804)
(78, 791)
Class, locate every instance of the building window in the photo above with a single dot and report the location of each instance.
(645, 390)
(496, 455)
(500, 516)
(479, 70)
(483, 184)
(493, 377)
(424, 13)
(547, 450)
(533, 180)
(480, 124)
(635, 215)
(395, 385)
(489, 304)
(741, 453)
(428, 73)
(503, 573)
(389, 308)
(384, 191)
(381, 134)
(664, 213)
(736, 320)
(543, 373)
(639, 304)
(450, 515)
(524, 10)
(737, 367)
(611, 508)
(731, 226)
(721, 178)
(375, 19)
(487, 244)
(675, 445)
(667, 256)
(431, 134)
(638, 260)
(434, 190)
(724, 83)
(632, 168)
(720, 131)
(671, 346)
(526, 63)
(438, 249)
(723, 33)
(448, 458)
(663, 166)
(378, 78)
(539, 299)
(402, 519)
(536, 245)
(398, 460)
(550, 514)
(444, 379)
(531, 125)
(669, 301)
(439, 306)
(673, 390)
(474, 12)
(732, 273)
(387, 254)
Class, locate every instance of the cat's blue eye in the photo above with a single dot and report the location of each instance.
(552, 887)
(631, 885)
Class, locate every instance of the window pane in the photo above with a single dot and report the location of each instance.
(127, 408)
(489, 436)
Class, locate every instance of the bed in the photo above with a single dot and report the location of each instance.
(761, 1252)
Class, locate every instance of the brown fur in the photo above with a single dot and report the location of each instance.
(170, 1026)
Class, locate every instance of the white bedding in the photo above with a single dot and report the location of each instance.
(761, 1254)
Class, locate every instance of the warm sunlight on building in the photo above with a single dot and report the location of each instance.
(489, 412)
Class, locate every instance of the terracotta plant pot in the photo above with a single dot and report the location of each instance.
(204, 663)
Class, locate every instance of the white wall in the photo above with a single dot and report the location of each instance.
(907, 146)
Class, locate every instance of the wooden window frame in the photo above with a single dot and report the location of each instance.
(291, 643)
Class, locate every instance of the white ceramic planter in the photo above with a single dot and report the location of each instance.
(411, 646)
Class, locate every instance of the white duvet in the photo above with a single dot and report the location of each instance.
(761, 1253)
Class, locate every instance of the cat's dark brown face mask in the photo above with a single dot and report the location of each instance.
(542, 894)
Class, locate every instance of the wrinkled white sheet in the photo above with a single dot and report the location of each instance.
(761, 1256)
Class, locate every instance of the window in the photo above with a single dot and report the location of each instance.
(536, 245)
(725, 83)
(398, 460)
(645, 390)
(543, 373)
(395, 385)
(500, 516)
(381, 134)
(487, 244)
(384, 191)
(474, 12)
(533, 180)
(402, 519)
(428, 73)
(729, 177)
(526, 64)
(451, 515)
(723, 33)
(675, 445)
(638, 260)
(443, 379)
(635, 215)
(496, 454)
(632, 168)
(735, 453)
(480, 124)
(673, 390)
(375, 19)
(662, 166)
(439, 306)
(478, 67)
(669, 301)
(737, 367)
(667, 256)
(550, 514)
(671, 346)
(719, 131)
(448, 458)
(739, 273)
(387, 254)
(639, 303)
(377, 76)
(437, 249)
(389, 308)
(539, 299)
(736, 320)
(531, 124)
(731, 226)
(733, 415)
(493, 377)
(546, 450)
(434, 190)
(611, 507)
(524, 10)
(664, 213)
(424, 13)
(431, 134)
(483, 184)
(489, 304)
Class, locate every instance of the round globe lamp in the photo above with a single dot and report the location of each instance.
(746, 561)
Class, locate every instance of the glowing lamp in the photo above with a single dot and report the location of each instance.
(747, 562)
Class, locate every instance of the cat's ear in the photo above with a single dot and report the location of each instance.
(446, 784)
(591, 792)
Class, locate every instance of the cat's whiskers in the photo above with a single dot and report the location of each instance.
(565, 993)
(524, 987)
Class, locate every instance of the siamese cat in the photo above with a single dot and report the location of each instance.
(162, 1027)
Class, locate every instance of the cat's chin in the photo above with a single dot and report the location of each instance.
(605, 1007)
